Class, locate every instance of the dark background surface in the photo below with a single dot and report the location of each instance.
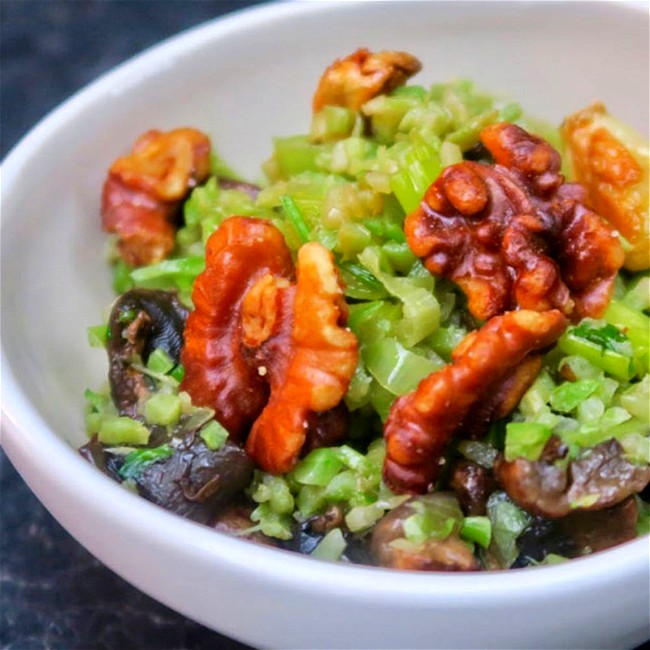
(53, 593)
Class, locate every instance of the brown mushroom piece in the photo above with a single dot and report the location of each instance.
(599, 477)
(472, 484)
(144, 191)
(141, 321)
(389, 548)
(353, 80)
(234, 518)
(597, 530)
(421, 424)
(196, 480)
(514, 234)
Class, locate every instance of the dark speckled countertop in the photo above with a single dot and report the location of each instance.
(53, 593)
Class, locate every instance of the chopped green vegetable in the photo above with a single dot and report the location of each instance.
(525, 440)
(122, 430)
(214, 435)
(163, 409)
(331, 547)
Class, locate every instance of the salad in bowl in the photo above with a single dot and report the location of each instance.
(421, 342)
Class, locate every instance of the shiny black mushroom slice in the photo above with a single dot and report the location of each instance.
(141, 320)
(195, 480)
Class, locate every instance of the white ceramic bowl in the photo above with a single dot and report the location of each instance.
(244, 79)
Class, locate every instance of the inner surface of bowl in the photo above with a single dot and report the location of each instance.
(244, 80)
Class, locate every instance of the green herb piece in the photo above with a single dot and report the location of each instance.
(137, 460)
(568, 395)
(606, 336)
(214, 435)
(177, 372)
(295, 217)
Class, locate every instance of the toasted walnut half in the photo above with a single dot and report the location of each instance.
(266, 351)
(309, 373)
(611, 161)
(355, 79)
(144, 191)
(513, 234)
(421, 424)
(218, 374)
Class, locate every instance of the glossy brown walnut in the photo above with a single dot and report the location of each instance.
(355, 79)
(144, 190)
(513, 234)
(218, 373)
(609, 160)
(421, 424)
(311, 368)
(270, 354)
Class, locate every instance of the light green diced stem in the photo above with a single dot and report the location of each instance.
(569, 395)
(159, 361)
(122, 431)
(97, 336)
(331, 547)
(615, 364)
(163, 409)
(477, 529)
(318, 468)
(214, 435)
(525, 439)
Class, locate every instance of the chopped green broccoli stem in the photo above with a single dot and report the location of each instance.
(162, 408)
(331, 547)
(525, 440)
(214, 435)
(160, 362)
(295, 217)
(615, 364)
(606, 336)
(122, 430)
(567, 396)
(477, 529)
(508, 522)
(318, 468)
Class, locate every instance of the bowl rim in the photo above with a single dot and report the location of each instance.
(42, 444)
